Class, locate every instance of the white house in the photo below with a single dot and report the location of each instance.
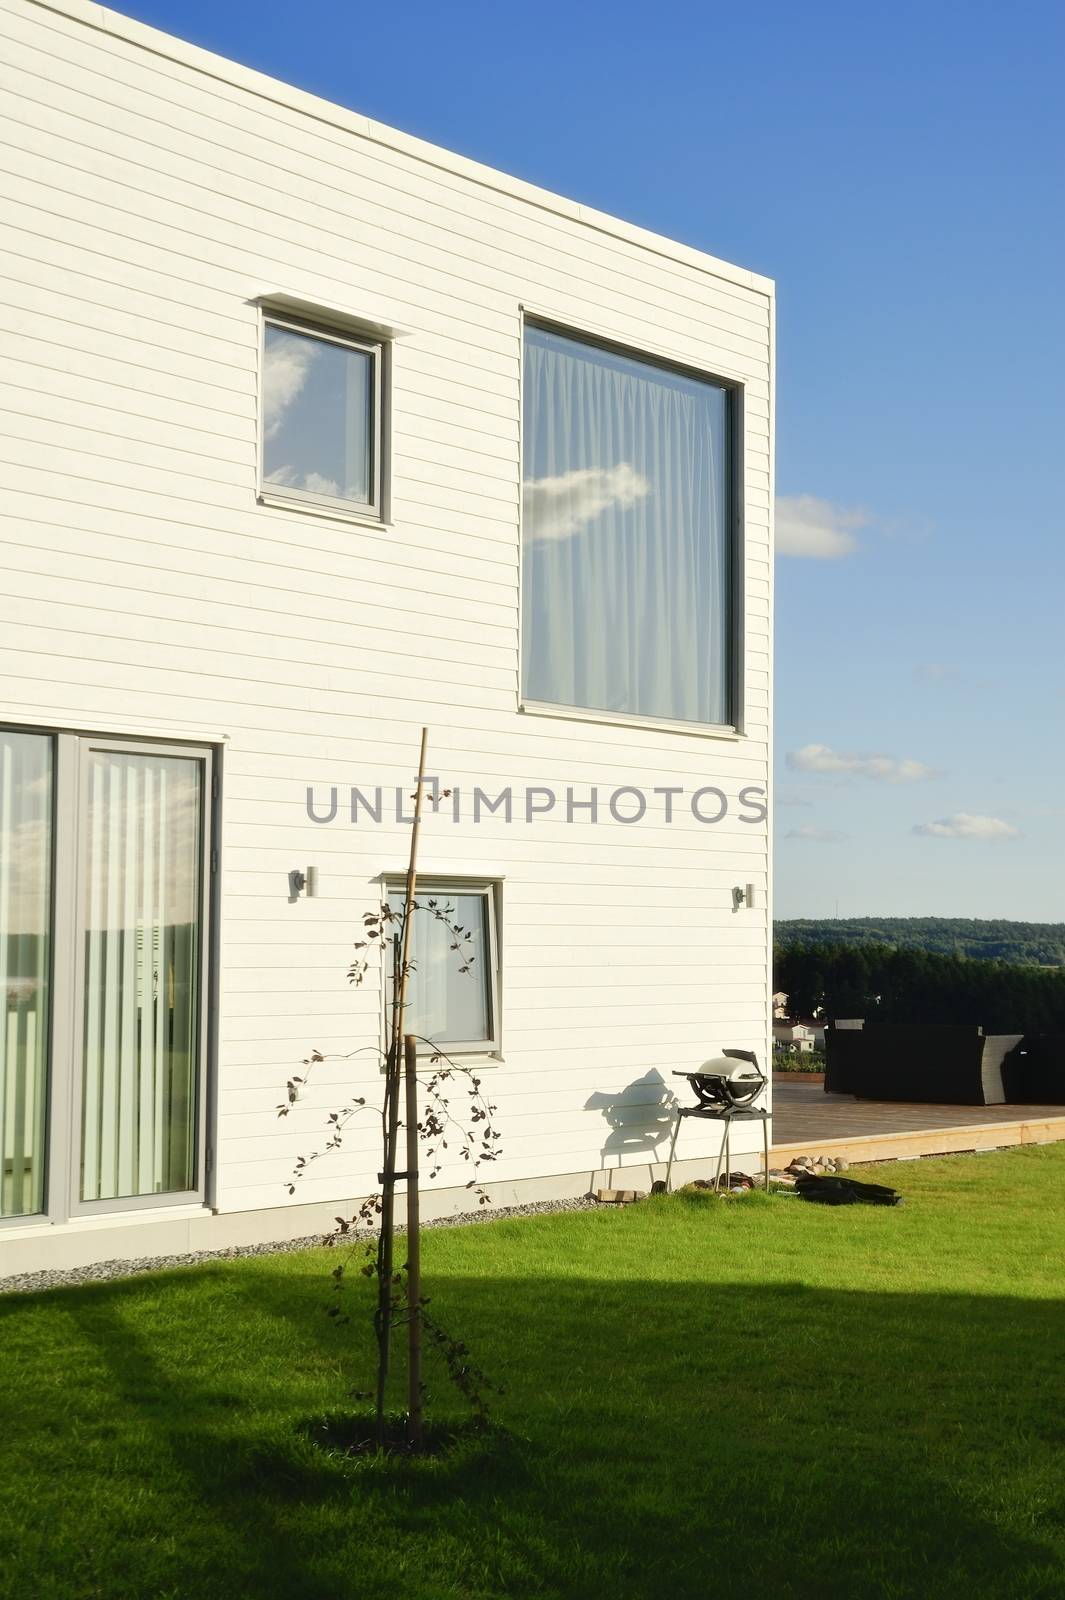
(798, 1038)
(314, 434)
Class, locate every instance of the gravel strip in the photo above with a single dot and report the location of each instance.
(101, 1271)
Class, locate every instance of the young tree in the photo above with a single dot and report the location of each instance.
(388, 937)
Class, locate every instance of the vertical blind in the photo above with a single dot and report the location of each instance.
(142, 893)
(626, 581)
(25, 962)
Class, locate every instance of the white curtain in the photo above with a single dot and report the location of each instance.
(626, 569)
(444, 1003)
(25, 961)
(142, 999)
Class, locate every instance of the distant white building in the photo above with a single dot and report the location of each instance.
(798, 1037)
(313, 434)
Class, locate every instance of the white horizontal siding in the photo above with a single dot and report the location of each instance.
(284, 132)
(146, 205)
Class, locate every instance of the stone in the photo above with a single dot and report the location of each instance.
(100, 1271)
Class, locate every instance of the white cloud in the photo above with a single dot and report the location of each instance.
(289, 478)
(557, 508)
(935, 672)
(816, 529)
(883, 769)
(319, 485)
(790, 800)
(288, 361)
(816, 835)
(967, 825)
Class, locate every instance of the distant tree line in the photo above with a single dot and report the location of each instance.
(1040, 944)
(886, 984)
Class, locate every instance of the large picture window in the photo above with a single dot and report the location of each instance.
(627, 535)
(103, 900)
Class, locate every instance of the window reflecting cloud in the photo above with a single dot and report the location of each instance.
(559, 507)
(288, 361)
(626, 547)
(318, 416)
(288, 478)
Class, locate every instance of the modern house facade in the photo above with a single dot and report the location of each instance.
(314, 435)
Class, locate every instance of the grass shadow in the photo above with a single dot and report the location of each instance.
(667, 1438)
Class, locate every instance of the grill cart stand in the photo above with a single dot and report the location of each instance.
(725, 1096)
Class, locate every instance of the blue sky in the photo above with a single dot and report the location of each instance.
(899, 172)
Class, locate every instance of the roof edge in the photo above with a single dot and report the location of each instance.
(168, 45)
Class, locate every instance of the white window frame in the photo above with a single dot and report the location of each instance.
(372, 512)
(64, 1072)
(440, 887)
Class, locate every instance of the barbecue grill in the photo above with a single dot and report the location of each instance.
(725, 1089)
(728, 1087)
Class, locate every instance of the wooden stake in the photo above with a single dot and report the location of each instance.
(414, 1249)
(412, 882)
(386, 1252)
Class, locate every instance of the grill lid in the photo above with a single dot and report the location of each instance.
(723, 1084)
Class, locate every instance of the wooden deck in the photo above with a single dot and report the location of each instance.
(806, 1121)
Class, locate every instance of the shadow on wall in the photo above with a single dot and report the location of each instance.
(640, 1118)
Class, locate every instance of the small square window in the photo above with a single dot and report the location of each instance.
(453, 987)
(321, 419)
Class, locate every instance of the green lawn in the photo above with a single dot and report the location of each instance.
(705, 1398)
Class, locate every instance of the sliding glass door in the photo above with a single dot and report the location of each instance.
(26, 791)
(104, 870)
(143, 831)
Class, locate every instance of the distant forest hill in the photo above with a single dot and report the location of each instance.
(1040, 944)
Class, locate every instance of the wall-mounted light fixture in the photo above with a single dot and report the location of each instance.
(305, 883)
(743, 897)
